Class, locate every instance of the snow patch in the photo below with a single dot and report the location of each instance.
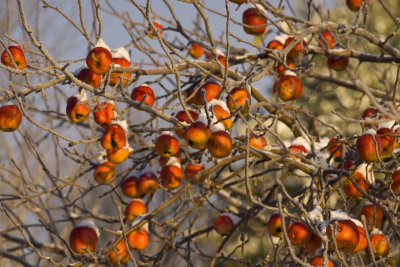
(121, 52)
(174, 162)
(316, 214)
(290, 73)
(90, 224)
(235, 219)
(101, 43)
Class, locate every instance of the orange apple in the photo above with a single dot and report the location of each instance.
(191, 170)
(335, 144)
(196, 51)
(274, 225)
(118, 155)
(77, 111)
(115, 76)
(362, 243)
(114, 137)
(138, 239)
(130, 187)
(373, 215)
(350, 189)
(327, 39)
(338, 63)
(380, 245)
(221, 113)
(289, 88)
(17, 54)
(98, 60)
(83, 238)
(197, 135)
(142, 91)
(223, 225)
(119, 254)
(212, 90)
(299, 234)
(220, 144)
(148, 183)
(104, 172)
(370, 113)
(347, 235)
(395, 186)
(237, 97)
(254, 21)
(280, 69)
(319, 261)
(369, 146)
(314, 244)
(166, 145)
(104, 112)
(258, 142)
(171, 176)
(296, 50)
(221, 59)
(152, 32)
(89, 77)
(10, 118)
(274, 44)
(354, 5)
(134, 208)
(388, 138)
(181, 116)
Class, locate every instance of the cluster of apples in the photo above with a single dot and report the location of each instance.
(328, 40)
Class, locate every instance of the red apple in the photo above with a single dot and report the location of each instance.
(239, 2)
(347, 235)
(164, 160)
(196, 51)
(104, 172)
(142, 91)
(254, 21)
(289, 88)
(369, 147)
(10, 118)
(314, 244)
(130, 187)
(380, 245)
(114, 137)
(362, 243)
(166, 145)
(17, 54)
(237, 97)
(296, 50)
(395, 186)
(197, 135)
(220, 144)
(350, 189)
(115, 76)
(335, 144)
(327, 39)
(338, 63)
(104, 112)
(299, 234)
(134, 208)
(319, 261)
(171, 176)
(77, 111)
(212, 90)
(181, 116)
(151, 31)
(354, 5)
(373, 215)
(138, 239)
(370, 113)
(98, 60)
(148, 183)
(274, 225)
(89, 77)
(224, 224)
(191, 170)
(274, 44)
(84, 238)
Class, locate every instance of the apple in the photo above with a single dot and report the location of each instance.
(76, 110)
(274, 44)
(257, 142)
(114, 137)
(196, 51)
(221, 59)
(104, 112)
(118, 155)
(152, 31)
(373, 215)
(171, 176)
(104, 172)
(191, 170)
(299, 234)
(289, 87)
(354, 5)
(220, 144)
(89, 77)
(338, 63)
(130, 187)
(17, 54)
(119, 254)
(326, 40)
(181, 116)
(220, 113)
(148, 183)
(225, 223)
(10, 118)
(166, 145)
(314, 244)
(98, 60)
(298, 149)
(237, 97)
(335, 144)
(319, 261)
(350, 189)
(395, 186)
(212, 90)
(197, 135)
(274, 225)
(254, 20)
(369, 146)
(388, 138)
(239, 2)
(164, 160)
(138, 239)
(84, 237)
(115, 76)
(370, 113)
(347, 235)
(362, 243)
(380, 245)
(134, 208)
(138, 93)
(280, 69)
(294, 53)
